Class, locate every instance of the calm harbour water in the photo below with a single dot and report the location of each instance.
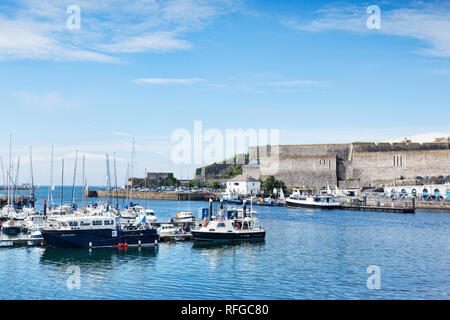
(306, 255)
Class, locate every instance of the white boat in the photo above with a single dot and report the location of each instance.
(35, 234)
(298, 200)
(131, 212)
(34, 222)
(184, 216)
(168, 229)
(8, 211)
(230, 230)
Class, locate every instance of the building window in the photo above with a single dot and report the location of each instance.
(398, 161)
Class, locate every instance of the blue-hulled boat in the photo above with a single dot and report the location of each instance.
(97, 231)
(12, 227)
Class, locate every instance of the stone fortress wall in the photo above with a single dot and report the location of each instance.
(349, 165)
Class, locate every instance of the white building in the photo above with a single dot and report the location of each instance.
(244, 185)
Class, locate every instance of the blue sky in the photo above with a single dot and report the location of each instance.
(309, 68)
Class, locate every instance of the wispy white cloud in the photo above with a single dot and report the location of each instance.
(33, 29)
(49, 101)
(169, 80)
(294, 83)
(425, 21)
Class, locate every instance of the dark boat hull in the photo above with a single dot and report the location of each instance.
(227, 236)
(11, 230)
(99, 238)
(292, 204)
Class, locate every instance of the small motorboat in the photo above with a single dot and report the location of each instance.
(184, 216)
(324, 202)
(11, 227)
(230, 230)
(168, 229)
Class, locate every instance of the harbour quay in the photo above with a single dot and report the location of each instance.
(174, 196)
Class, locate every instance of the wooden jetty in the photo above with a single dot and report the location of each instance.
(378, 209)
(180, 237)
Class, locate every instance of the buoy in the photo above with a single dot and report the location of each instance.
(125, 245)
(119, 245)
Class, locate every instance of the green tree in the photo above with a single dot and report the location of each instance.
(271, 183)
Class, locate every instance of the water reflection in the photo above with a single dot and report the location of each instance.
(95, 258)
(227, 245)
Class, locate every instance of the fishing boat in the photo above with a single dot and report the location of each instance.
(12, 227)
(97, 231)
(324, 202)
(230, 230)
(184, 216)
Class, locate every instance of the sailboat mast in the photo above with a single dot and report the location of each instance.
(132, 162)
(62, 183)
(108, 178)
(32, 177)
(3, 172)
(51, 180)
(10, 170)
(74, 177)
(145, 187)
(83, 196)
(15, 182)
(115, 182)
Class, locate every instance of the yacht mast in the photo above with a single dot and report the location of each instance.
(62, 184)
(132, 161)
(15, 182)
(84, 187)
(3, 172)
(32, 177)
(115, 182)
(108, 179)
(10, 170)
(145, 187)
(74, 177)
(52, 187)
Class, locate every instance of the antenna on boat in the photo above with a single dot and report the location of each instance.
(74, 177)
